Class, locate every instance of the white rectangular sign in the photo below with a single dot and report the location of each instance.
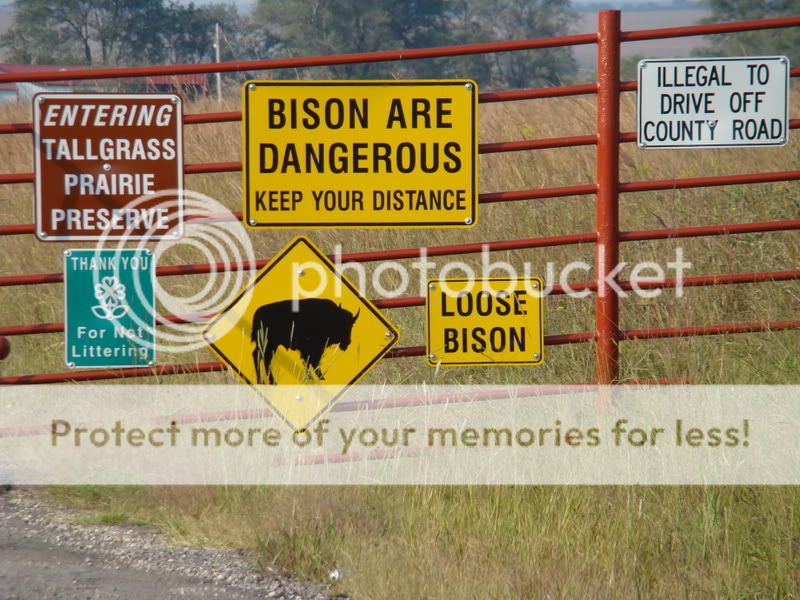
(713, 102)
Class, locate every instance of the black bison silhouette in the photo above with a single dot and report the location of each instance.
(309, 327)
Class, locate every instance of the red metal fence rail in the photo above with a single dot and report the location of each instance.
(607, 236)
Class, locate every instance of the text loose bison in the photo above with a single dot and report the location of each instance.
(308, 326)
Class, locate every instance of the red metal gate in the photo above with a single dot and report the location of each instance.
(607, 236)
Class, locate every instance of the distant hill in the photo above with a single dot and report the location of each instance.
(643, 19)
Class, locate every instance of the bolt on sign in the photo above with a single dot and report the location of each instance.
(109, 308)
(485, 321)
(360, 153)
(108, 166)
(713, 102)
(300, 333)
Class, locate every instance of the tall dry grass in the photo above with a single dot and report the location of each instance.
(765, 357)
(504, 542)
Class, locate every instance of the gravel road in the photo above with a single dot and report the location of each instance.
(44, 554)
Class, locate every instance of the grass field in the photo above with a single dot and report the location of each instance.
(439, 542)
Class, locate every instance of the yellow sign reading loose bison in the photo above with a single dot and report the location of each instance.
(485, 321)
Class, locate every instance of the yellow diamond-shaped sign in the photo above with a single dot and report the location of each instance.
(300, 333)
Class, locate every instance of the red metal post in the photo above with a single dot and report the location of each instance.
(607, 210)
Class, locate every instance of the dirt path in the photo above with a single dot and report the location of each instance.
(44, 554)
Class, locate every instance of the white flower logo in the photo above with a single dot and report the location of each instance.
(111, 296)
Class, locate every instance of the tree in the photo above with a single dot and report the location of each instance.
(115, 32)
(87, 31)
(32, 41)
(464, 26)
(187, 32)
(524, 19)
(769, 42)
(324, 27)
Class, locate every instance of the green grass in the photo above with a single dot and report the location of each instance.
(499, 542)
(110, 518)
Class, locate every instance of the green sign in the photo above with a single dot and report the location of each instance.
(109, 308)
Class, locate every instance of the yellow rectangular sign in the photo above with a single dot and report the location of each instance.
(485, 321)
(360, 153)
